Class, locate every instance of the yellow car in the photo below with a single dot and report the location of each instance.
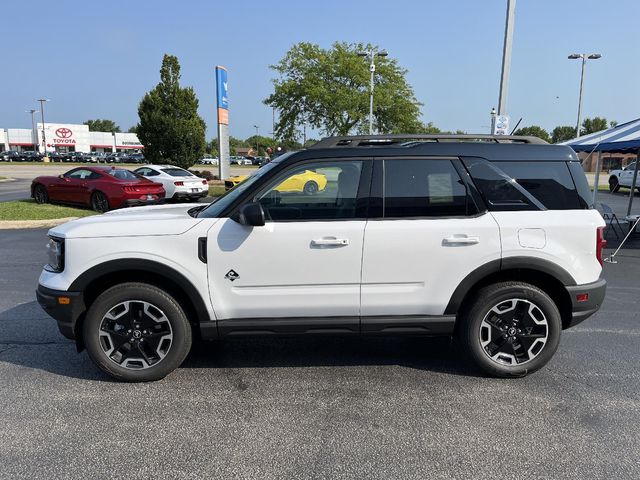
(308, 182)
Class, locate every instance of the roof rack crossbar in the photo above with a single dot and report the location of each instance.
(413, 139)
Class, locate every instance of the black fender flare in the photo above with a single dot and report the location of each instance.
(505, 264)
(146, 266)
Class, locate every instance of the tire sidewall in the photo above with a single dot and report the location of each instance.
(180, 345)
(488, 298)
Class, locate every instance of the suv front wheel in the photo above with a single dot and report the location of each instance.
(511, 329)
(136, 332)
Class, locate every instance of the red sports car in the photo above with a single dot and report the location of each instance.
(101, 188)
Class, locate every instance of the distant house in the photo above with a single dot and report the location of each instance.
(246, 152)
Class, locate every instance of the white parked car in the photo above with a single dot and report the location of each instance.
(209, 161)
(623, 177)
(494, 241)
(180, 184)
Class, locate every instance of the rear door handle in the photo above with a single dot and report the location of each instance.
(461, 240)
(330, 242)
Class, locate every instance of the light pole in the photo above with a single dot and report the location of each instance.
(257, 144)
(34, 132)
(372, 53)
(584, 57)
(44, 138)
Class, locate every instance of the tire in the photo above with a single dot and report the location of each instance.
(40, 194)
(614, 186)
(310, 188)
(99, 202)
(504, 347)
(161, 323)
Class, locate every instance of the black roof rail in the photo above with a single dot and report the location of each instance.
(409, 140)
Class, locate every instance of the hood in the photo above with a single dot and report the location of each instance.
(128, 222)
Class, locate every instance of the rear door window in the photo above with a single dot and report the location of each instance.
(424, 188)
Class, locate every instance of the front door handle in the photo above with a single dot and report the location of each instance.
(461, 240)
(330, 242)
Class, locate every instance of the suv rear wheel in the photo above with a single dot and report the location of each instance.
(136, 332)
(511, 329)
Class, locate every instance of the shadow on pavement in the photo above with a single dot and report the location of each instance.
(46, 349)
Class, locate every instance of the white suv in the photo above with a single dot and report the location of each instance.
(490, 239)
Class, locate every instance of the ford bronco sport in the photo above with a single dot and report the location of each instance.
(493, 240)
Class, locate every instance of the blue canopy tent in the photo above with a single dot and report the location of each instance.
(623, 138)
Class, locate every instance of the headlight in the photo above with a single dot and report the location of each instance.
(55, 250)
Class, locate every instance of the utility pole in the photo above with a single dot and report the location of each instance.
(44, 137)
(506, 57)
(34, 131)
(371, 54)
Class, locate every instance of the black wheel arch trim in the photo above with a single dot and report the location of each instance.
(502, 265)
(145, 266)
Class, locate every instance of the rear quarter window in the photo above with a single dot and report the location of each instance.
(549, 182)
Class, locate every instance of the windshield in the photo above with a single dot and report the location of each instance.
(219, 205)
(177, 172)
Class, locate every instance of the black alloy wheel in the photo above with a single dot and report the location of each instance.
(514, 332)
(135, 334)
(40, 194)
(99, 202)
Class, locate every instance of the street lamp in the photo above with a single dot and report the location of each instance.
(257, 144)
(44, 139)
(371, 53)
(584, 57)
(34, 132)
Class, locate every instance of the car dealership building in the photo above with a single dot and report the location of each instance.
(66, 137)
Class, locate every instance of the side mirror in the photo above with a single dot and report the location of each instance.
(251, 214)
(61, 176)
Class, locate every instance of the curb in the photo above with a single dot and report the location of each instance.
(19, 224)
(8, 179)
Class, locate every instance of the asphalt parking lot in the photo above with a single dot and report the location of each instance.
(317, 408)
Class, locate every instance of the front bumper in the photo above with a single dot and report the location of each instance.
(66, 315)
(581, 310)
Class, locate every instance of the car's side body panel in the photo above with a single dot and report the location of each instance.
(413, 266)
(562, 237)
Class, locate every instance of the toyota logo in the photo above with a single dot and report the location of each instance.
(64, 132)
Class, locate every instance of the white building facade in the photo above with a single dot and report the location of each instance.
(65, 137)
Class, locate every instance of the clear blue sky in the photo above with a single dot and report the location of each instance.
(97, 59)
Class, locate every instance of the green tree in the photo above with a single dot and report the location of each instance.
(102, 125)
(262, 143)
(592, 125)
(562, 133)
(133, 129)
(330, 90)
(534, 131)
(235, 143)
(170, 127)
